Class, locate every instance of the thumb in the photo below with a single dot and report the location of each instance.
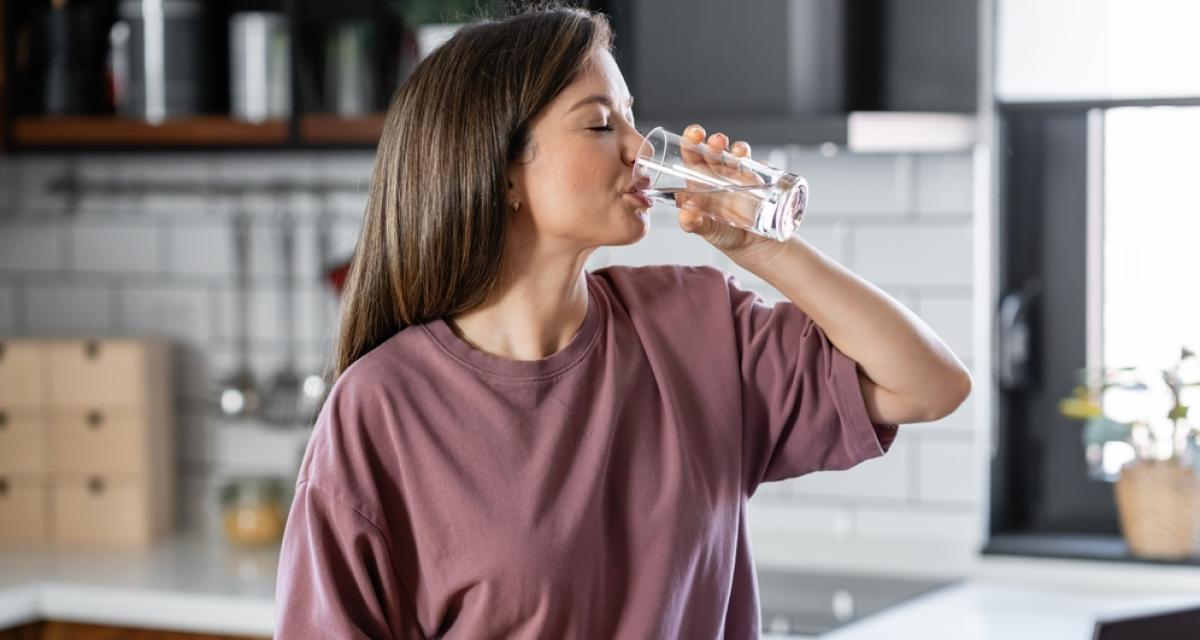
(693, 221)
(716, 233)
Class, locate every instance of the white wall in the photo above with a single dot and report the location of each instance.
(1096, 49)
(162, 264)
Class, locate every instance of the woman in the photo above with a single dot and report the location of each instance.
(517, 448)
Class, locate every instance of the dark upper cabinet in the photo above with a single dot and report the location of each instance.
(794, 71)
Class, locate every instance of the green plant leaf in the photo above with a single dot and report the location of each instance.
(1100, 429)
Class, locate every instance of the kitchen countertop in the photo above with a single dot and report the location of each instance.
(182, 583)
(978, 610)
(193, 583)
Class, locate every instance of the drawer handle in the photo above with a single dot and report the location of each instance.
(96, 486)
(3, 419)
(3, 487)
(95, 419)
(2, 351)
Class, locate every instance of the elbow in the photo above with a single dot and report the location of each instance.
(952, 395)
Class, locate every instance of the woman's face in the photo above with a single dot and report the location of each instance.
(572, 182)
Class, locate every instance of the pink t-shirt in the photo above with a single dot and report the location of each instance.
(597, 493)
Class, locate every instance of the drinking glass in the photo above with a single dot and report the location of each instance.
(741, 192)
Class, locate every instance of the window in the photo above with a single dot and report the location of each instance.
(1099, 237)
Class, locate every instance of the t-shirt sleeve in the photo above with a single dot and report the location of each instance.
(802, 403)
(336, 578)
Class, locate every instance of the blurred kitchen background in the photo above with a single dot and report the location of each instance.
(182, 183)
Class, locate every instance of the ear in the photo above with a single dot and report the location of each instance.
(514, 193)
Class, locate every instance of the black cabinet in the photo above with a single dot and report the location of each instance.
(792, 71)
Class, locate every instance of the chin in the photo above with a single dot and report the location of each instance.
(638, 228)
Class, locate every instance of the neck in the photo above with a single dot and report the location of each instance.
(535, 309)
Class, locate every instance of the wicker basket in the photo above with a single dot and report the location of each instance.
(1159, 507)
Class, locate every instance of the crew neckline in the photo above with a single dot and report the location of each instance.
(570, 355)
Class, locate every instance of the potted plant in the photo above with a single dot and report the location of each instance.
(1138, 433)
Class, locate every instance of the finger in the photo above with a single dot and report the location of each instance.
(689, 220)
(717, 144)
(741, 149)
(693, 135)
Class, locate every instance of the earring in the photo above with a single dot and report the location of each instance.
(516, 205)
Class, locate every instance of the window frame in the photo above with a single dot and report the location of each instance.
(1049, 215)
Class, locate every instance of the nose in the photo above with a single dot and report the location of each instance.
(635, 146)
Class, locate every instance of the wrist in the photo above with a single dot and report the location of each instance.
(760, 257)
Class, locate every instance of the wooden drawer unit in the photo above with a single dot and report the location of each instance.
(22, 373)
(23, 505)
(101, 510)
(104, 373)
(86, 438)
(23, 440)
(99, 441)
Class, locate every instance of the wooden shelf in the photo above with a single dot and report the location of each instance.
(109, 131)
(332, 129)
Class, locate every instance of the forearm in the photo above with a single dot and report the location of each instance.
(894, 348)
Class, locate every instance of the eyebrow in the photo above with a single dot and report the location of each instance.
(598, 98)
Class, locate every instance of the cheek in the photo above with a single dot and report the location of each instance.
(574, 181)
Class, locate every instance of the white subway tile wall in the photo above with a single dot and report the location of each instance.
(104, 246)
(947, 471)
(163, 264)
(62, 308)
(27, 246)
(914, 253)
(943, 185)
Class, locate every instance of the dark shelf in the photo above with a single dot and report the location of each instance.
(335, 130)
(1106, 548)
(97, 123)
(108, 131)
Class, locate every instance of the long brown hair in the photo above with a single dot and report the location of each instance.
(437, 210)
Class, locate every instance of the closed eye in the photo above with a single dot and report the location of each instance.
(601, 128)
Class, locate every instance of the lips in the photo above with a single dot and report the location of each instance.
(637, 189)
(640, 197)
(641, 184)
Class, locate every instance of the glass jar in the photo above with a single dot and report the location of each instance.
(252, 511)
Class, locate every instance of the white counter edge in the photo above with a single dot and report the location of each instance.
(188, 612)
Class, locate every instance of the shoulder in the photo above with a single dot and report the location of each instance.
(358, 424)
(670, 302)
(665, 281)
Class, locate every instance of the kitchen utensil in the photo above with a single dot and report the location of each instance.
(315, 383)
(238, 394)
(740, 192)
(160, 44)
(350, 70)
(336, 275)
(335, 271)
(72, 60)
(260, 66)
(285, 396)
